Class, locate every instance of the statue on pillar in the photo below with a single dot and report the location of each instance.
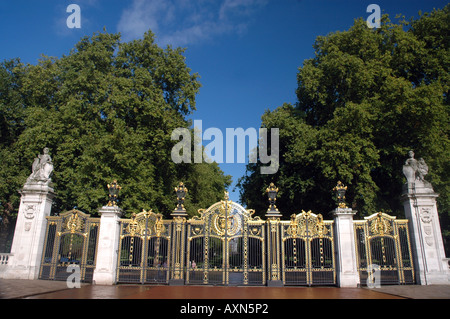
(41, 169)
(415, 171)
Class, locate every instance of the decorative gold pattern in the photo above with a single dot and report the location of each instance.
(113, 189)
(383, 240)
(136, 227)
(74, 223)
(145, 247)
(307, 249)
(305, 224)
(70, 238)
(223, 232)
(381, 225)
(340, 190)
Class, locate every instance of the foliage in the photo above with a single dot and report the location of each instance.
(366, 98)
(106, 111)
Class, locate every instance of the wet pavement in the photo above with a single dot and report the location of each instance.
(42, 289)
(211, 292)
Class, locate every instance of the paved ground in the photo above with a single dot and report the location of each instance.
(42, 289)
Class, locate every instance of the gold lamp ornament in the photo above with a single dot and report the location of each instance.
(113, 189)
(181, 192)
(340, 190)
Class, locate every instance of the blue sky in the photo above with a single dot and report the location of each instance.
(247, 52)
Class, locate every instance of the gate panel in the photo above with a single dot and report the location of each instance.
(307, 250)
(71, 239)
(130, 259)
(382, 245)
(404, 244)
(255, 254)
(294, 263)
(225, 247)
(47, 263)
(322, 261)
(195, 254)
(144, 255)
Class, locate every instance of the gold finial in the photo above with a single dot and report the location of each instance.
(181, 192)
(113, 189)
(340, 190)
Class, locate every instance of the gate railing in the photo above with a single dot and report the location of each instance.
(307, 250)
(144, 249)
(226, 245)
(383, 245)
(71, 239)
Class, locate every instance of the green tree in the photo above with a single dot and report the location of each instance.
(106, 111)
(366, 98)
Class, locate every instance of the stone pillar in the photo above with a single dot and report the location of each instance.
(108, 246)
(419, 202)
(29, 235)
(346, 263)
(420, 207)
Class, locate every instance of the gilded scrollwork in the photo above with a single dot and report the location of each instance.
(145, 224)
(380, 225)
(73, 222)
(135, 227)
(307, 224)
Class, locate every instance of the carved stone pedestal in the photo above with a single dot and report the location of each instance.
(346, 263)
(419, 202)
(29, 235)
(108, 241)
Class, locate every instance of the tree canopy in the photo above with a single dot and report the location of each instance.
(106, 111)
(365, 99)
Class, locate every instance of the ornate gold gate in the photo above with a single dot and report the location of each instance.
(144, 249)
(71, 239)
(307, 250)
(225, 246)
(382, 244)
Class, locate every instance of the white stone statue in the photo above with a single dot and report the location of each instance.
(410, 168)
(42, 168)
(422, 170)
(415, 170)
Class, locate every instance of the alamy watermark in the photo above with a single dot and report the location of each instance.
(373, 276)
(73, 20)
(213, 152)
(373, 20)
(74, 279)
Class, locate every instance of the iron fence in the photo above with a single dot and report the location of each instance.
(226, 245)
(383, 245)
(308, 250)
(71, 239)
(144, 249)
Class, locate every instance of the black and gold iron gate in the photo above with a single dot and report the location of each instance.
(71, 239)
(225, 246)
(383, 245)
(144, 249)
(307, 250)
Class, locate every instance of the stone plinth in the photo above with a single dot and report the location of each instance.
(346, 264)
(29, 236)
(419, 202)
(108, 246)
